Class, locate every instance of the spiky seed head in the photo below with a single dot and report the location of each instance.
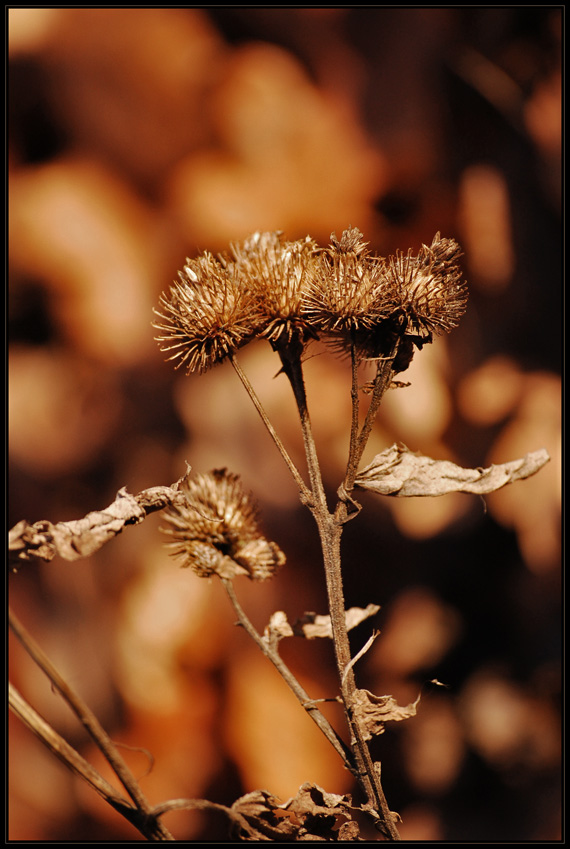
(216, 531)
(430, 290)
(206, 315)
(348, 295)
(277, 272)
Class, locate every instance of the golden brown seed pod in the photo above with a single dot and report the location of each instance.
(348, 294)
(350, 242)
(277, 272)
(217, 532)
(430, 290)
(206, 315)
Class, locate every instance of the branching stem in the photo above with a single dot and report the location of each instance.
(305, 492)
(330, 528)
(358, 441)
(300, 693)
(148, 822)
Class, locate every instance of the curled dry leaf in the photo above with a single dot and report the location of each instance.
(278, 627)
(313, 625)
(374, 711)
(312, 814)
(82, 537)
(399, 471)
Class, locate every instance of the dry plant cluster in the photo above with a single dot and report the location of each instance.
(140, 136)
(376, 311)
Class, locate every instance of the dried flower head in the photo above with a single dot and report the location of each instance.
(217, 532)
(430, 290)
(289, 292)
(350, 242)
(276, 272)
(349, 295)
(207, 314)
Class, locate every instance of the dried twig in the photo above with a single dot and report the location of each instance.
(66, 753)
(303, 697)
(153, 829)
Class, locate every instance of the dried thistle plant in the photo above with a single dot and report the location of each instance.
(369, 308)
(374, 310)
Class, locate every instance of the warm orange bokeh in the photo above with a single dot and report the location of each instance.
(141, 136)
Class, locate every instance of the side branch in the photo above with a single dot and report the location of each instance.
(94, 729)
(301, 694)
(303, 488)
(66, 753)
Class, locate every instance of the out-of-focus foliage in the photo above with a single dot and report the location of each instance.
(140, 136)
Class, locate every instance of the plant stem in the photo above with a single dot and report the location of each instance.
(355, 399)
(358, 443)
(62, 750)
(305, 492)
(154, 829)
(330, 531)
(301, 694)
(290, 355)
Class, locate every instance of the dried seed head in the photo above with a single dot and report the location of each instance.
(350, 242)
(290, 292)
(348, 295)
(216, 531)
(207, 314)
(430, 290)
(276, 273)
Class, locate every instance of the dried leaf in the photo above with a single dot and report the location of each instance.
(82, 537)
(278, 627)
(256, 818)
(356, 615)
(313, 625)
(399, 471)
(312, 814)
(374, 711)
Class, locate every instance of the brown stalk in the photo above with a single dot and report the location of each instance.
(305, 491)
(300, 693)
(330, 531)
(150, 826)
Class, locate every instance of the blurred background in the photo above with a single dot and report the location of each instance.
(138, 137)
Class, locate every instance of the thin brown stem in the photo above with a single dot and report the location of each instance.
(59, 747)
(330, 530)
(382, 382)
(92, 725)
(62, 749)
(305, 492)
(290, 355)
(300, 693)
(355, 403)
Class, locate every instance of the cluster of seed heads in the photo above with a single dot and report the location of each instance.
(293, 292)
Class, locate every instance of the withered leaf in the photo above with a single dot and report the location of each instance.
(312, 625)
(82, 537)
(401, 472)
(374, 711)
(259, 817)
(278, 627)
(313, 814)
